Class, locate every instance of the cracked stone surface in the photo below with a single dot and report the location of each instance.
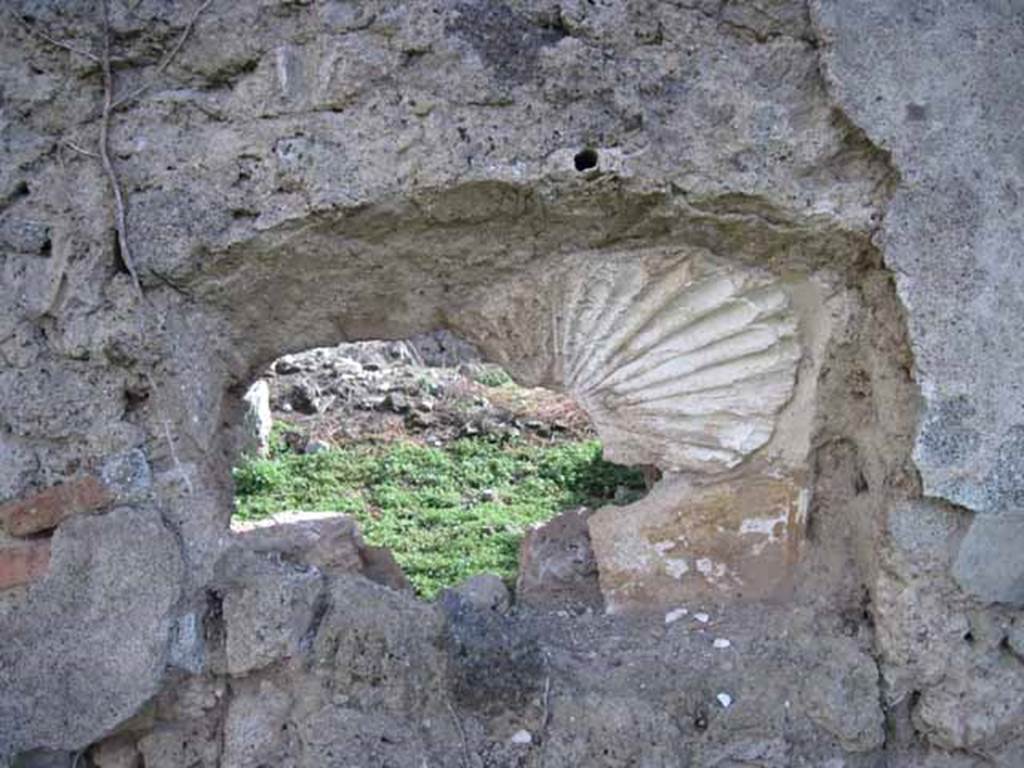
(769, 244)
(112, 583)
(952, 236)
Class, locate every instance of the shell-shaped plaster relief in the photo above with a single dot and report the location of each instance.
(685, 367)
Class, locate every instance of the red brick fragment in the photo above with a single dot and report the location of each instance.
(23, 561)
(47, 509)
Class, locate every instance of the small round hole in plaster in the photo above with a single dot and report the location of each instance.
(585, 159)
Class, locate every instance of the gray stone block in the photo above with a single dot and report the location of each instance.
(990, 563)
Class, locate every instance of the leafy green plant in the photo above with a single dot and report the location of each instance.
(276, 443)
(493, 376)
(446, 513)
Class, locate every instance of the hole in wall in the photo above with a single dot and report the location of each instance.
(585, 159)
(439, 456)
(135, 396)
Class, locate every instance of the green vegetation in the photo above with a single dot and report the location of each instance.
(493, 376)
(446, 513)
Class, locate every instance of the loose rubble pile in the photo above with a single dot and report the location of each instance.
(372, 392)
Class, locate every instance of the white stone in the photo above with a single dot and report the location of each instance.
(721, 642)
(521, 737)
(677, 567)
(258, 418)
(703, 618)
(675, 615)
(725, 700)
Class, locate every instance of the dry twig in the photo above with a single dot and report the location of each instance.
(166, 60)
(110, 103)
(40, 35)
(80, 150)
(120, 213)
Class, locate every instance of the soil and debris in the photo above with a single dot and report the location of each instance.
(384, 391)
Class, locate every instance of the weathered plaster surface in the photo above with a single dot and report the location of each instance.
(308, 173)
